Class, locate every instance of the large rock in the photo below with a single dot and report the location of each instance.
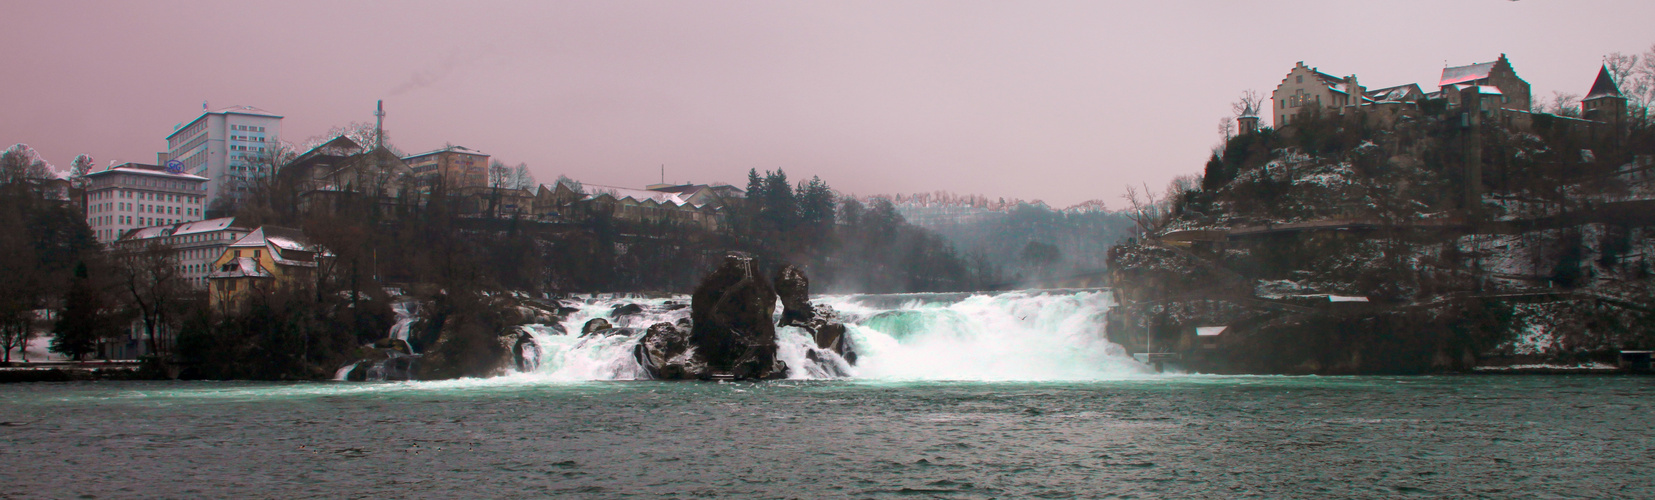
(666, 353)
(731, 314)
(794, 289)
(625, 309)
(526, 352)
(595, 325)
(829, 332)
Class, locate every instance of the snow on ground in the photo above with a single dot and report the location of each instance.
(1543, 366)
(39, 349)
(1534, 337)
(1336, 176)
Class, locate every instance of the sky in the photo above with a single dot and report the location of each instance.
(1057, 101)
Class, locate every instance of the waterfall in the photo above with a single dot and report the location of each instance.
(405, 311)
(1023, 335)
(345, 371)
(395, 365)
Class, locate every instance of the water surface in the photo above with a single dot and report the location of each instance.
(1152, 437)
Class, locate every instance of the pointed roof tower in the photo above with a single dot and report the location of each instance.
(1604, 86)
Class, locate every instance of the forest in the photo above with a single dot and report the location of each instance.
(63, 281)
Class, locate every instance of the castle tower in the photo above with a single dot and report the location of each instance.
(1248, 121)
(1605, 103)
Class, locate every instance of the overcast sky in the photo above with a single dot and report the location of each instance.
(1060, 101)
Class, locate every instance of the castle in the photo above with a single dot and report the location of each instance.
(1492, 87)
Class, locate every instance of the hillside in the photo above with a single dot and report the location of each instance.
(1439, 242)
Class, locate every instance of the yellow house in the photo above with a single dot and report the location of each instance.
(270, 257)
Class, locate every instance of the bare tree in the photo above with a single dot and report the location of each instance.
(151, 284)
(1634, 74)
(1226, 129)
(366, 135)
(574, 185)
(1180, 185)
(258, 191)
(1562, 104)
(1145, 212)
(21, 291)
(521, 178)
(1251, 103)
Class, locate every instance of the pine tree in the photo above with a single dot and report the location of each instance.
(781, 209)
(81, 322)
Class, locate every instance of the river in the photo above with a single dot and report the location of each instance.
(929, 413)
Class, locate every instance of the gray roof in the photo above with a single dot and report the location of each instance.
(1604, 86)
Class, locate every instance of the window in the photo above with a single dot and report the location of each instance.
(1301, 79)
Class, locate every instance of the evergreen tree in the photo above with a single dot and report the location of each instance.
(780, 208)
(81, 322)
(815, 204)
(78, 169)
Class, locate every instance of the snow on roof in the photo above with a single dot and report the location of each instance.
(1209, 331)
(287, 239)
(182, 228)
(1460, 74)
(240, 267)
(253, 239)
(245, 110)
(280, 237)
(456, 149)
(232, 110)
(149, 170)
(332, 145)
(1488, 90)
(593, 191)
(1346, 298)
(1397, 93)
(205, 226)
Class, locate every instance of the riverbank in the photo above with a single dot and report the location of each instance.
(57, 371)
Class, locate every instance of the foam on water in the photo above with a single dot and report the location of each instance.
(1026, 335)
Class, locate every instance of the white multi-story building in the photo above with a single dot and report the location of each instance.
(197, 244)
(134, 195)
(224, 146)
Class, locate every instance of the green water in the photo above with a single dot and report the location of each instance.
(1169, 437)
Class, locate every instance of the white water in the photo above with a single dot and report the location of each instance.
(1026, 335)
(345, 371)
(405, 320)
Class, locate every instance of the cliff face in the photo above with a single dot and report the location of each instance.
(1334, 247)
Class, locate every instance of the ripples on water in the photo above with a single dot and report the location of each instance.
(935, 410)
(1153, 437)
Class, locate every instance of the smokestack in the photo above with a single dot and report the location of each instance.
(379, 125)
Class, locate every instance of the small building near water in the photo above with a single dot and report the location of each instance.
(268, 259)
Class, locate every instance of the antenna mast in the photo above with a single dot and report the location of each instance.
(379, 125)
